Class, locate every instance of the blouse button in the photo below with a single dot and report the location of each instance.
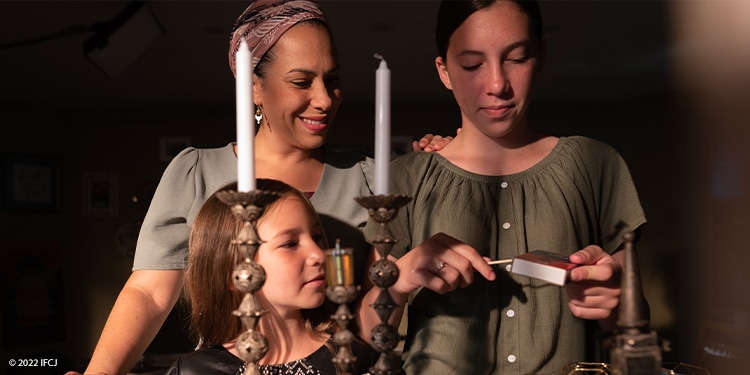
(506, 225)
(511, 358)
(503, 184)
(510, 313)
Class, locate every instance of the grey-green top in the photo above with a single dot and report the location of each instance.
(196, 173)
(514, 325)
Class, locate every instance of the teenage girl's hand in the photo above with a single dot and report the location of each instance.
(594, 287)
(441, 264)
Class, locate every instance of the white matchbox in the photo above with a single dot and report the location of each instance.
(543, 265)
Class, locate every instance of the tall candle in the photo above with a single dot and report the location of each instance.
(382, 126)
(245, 125)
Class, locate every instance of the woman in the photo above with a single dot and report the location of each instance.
(498, 190)
(296, 90)
(297, 325)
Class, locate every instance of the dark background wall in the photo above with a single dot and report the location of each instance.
(685, 143)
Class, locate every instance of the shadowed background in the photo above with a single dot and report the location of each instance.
(664, 82)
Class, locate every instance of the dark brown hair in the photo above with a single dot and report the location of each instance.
(452, 13)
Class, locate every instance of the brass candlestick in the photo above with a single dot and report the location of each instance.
(249, 276)
(383, 274)
(340, 289)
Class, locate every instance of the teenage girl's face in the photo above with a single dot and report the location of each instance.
(292, 257)
(491, 63)
(300, 92)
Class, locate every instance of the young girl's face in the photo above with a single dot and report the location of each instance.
(291, 256)
(490, 66)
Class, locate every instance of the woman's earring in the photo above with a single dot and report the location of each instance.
(258, 115)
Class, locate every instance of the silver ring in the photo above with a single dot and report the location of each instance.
(440, 265)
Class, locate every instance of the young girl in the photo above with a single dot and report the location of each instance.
(498, 190)
(298, 323)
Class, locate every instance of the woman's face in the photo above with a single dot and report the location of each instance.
(292, 257)
(491, 63)
(300, 92)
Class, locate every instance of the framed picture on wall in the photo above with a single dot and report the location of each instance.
(32, 183)
(100, 194)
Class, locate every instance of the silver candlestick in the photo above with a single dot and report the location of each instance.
(383, 274)
(340, 289)
(249, 276)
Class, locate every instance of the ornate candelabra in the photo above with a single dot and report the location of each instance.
(249, 276)
(383, 274)
(340, 289)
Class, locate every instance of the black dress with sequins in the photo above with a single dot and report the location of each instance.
(217, 360)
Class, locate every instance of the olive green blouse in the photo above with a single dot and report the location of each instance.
(514, 325)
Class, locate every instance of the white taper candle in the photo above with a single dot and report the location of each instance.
(382, 126)
(245, 124)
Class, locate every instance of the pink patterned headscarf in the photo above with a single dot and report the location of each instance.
(264, 21)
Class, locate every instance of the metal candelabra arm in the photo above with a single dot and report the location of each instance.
(341, 290)
(249, 276)
(383, 274)
(636, 349)
(343, 294)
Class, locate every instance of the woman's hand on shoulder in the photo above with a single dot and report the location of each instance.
(431, 142)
